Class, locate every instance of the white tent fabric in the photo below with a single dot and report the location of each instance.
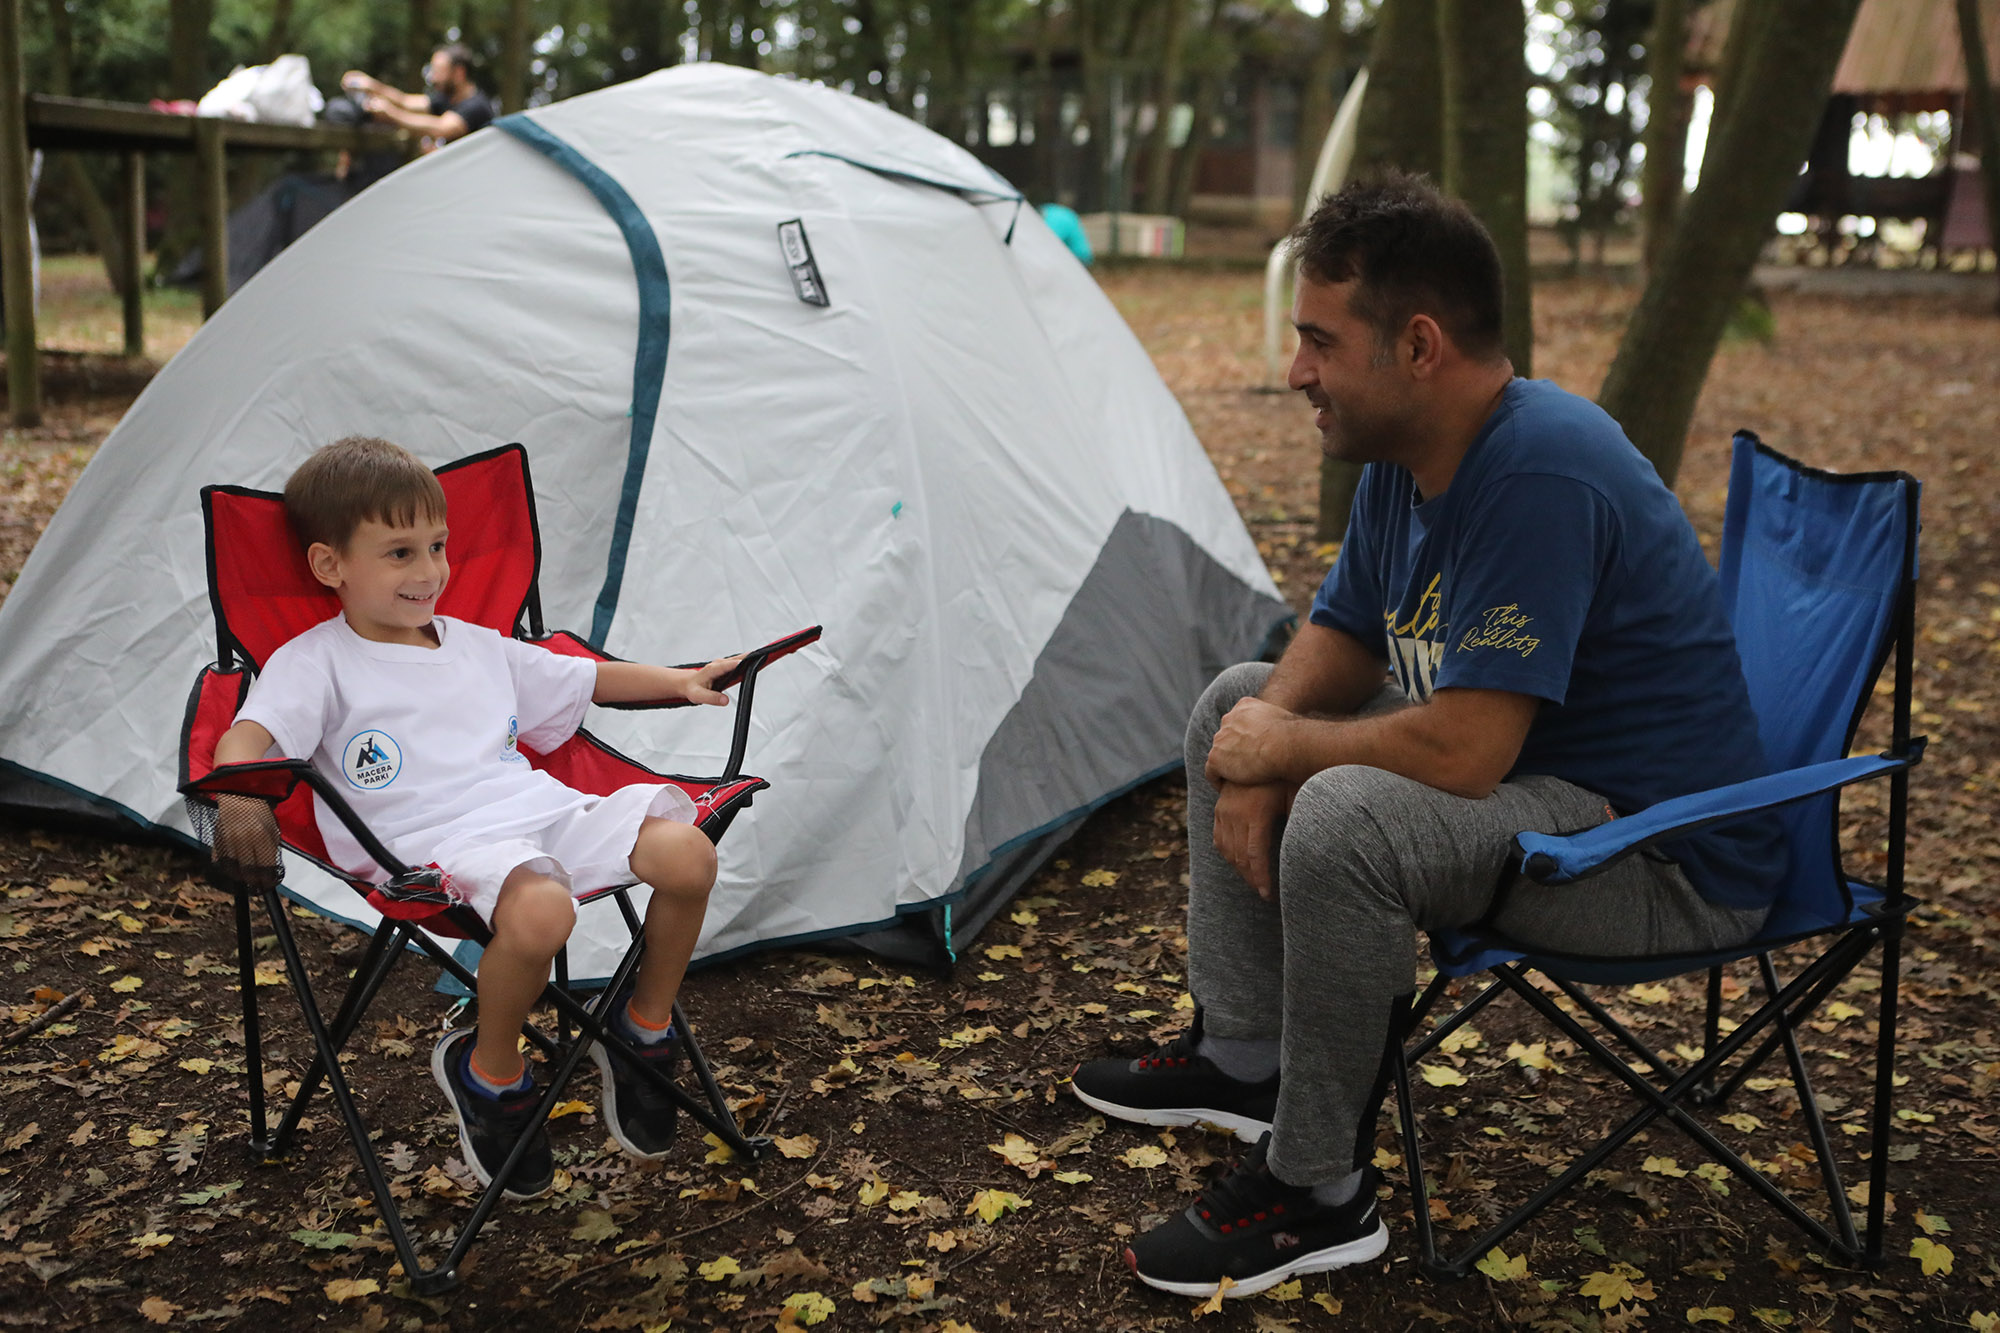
(931, 465)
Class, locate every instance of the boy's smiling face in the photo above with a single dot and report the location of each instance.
(388, 578)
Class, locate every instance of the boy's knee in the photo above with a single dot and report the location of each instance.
(534, 911)
(674, 858)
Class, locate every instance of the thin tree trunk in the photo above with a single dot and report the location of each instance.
(1483, 48)
(1668, 106)
(1979, 102)
(511, 80)
(1316, 104)
(1166, 99)
(1207, 94)
(874, 47)
(1746, 28)
(420, 38)
(97, 218)
(1752, 159)
(1402, 118)
(278, 36)
(1048, 109)
(188, 76)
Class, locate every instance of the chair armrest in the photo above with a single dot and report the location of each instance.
(753, 661)
(1562, 859)
(272, 780)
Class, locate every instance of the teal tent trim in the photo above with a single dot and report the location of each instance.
(970, 191)
(649, 369)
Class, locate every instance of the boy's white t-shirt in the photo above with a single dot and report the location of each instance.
(424, 742)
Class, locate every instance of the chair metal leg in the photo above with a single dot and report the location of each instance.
(253, 1039)
(1711, 1032)
(1814, 1118)
(1583, 1000)
(384, 948)
(357, 1129)
(1885, 1085)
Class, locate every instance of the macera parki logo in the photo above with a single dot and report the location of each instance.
(510, 749)
(371, 760)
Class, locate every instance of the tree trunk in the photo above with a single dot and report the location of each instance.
(1166, 98)
(1402, 118)
(97, 219)
(1207, 94)
(1753, 157)
(1316, 105)
(420, 38)
(1746, 29)
(188, 76)
(1048, 110)
(1485, 74)
(278, 36)
(1668, 106)
(510, 81)
(874, 48)
(1979, 103)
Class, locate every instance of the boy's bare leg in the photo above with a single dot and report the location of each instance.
(531, 921)
(678, 862)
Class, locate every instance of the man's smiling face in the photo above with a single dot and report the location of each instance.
(1359, 392)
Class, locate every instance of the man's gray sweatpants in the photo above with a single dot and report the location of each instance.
(1367, 859)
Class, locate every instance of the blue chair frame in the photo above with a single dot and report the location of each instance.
(1818, 574)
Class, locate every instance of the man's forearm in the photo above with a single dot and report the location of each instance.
(1324, 672)
(1462, 742)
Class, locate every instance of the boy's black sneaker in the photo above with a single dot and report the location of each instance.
(641, 1115)
(489, 1126)
(1174, 1086)
(1257, 1231)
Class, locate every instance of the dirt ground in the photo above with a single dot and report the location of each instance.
(937, 1176)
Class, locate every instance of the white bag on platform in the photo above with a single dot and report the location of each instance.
(280, 93)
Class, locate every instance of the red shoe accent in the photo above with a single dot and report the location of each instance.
(1131, 1261)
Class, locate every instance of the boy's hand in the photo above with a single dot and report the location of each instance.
(701, 684)
(246, 841)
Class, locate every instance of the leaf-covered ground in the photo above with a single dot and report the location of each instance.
(936, 1176)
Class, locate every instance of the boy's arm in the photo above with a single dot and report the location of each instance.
(636, 682)
(246, 832)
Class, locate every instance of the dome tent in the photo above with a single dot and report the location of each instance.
(779, 357)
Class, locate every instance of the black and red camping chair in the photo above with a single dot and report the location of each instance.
(264, 595)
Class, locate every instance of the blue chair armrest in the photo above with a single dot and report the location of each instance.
(1562, 859)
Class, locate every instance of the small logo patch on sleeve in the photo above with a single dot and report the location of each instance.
(799, 258)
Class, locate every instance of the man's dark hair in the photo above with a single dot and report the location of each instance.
(459, 54)
(1409, 250)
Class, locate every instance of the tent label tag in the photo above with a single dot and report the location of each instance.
(799, 258)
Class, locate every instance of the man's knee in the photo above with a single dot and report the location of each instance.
(1339, 825)
(1223, 693)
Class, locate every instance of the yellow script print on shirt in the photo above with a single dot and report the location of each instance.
(1501, 627)
(1416, 642)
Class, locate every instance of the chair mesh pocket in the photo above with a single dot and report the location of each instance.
(232, 824)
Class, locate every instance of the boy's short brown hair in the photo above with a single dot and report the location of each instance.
(356, 479)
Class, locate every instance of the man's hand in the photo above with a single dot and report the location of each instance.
(246, 841)
(1247, 824)
(701, 684)
(1251, 747)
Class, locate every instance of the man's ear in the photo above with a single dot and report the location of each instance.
(324, 562)
(1422, 345)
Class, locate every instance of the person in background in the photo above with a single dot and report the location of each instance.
(453, 108)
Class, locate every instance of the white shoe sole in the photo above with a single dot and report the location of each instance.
(1320, 1261)
(1244, 1127)
(465, 1153)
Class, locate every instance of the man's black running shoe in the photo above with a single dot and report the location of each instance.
(1257, 1231)
(1174, 1086)
(488, 1126)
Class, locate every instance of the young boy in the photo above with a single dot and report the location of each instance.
(421, 718)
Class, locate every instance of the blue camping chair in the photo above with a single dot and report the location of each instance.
(1819, 578)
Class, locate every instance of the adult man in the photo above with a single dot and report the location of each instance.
(1557, 654)
(453, 108)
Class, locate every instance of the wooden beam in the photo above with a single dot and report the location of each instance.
(212, 170)
(84, 123)
(134, 256)
(17, 274)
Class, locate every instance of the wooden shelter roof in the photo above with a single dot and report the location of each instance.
(1897, 46)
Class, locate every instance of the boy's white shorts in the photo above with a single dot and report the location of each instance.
(586, 848)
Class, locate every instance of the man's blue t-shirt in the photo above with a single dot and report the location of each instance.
(1557, 565)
